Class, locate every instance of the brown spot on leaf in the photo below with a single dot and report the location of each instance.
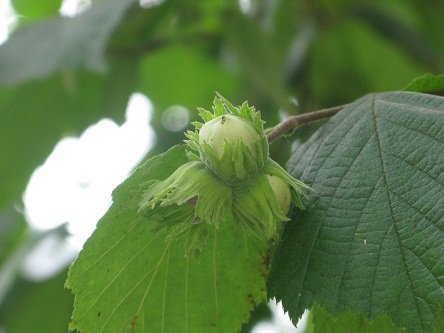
(133, 323)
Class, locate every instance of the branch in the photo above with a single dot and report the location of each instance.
(295, 121)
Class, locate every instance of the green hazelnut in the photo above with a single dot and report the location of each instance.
(229, 176)
(231, 142)
(282, 192)
(230, 128)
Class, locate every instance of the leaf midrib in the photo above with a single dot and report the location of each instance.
(390, 205)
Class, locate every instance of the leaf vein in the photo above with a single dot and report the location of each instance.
(415, 166)
(390, 204)
(142, 301)
(311, 249)
(342, 280)
(117, 275)
(384, 101)
(434, 138)
(324, 139)
(124, 298)
(107, 251)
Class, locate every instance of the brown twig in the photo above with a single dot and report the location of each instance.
(295, 121)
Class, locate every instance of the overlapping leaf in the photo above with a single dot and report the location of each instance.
(372, 239)
(351, 322)
(427, 83)
(128, 278)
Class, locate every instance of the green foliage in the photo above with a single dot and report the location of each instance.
(131, 278)
(351, 322)
(371, 240)
(58, 75)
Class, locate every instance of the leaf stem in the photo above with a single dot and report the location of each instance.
(295, 121)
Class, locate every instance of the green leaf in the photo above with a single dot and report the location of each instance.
(32, 9)
(129, 278)
(38, 50)
(427, 83)
(371, 240)
(259, 314)
(351, 322)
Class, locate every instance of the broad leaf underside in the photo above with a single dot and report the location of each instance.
(372, 240)
(130, 279)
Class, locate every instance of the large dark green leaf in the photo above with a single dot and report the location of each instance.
(37, 50)
(129, 278)
(371, 240)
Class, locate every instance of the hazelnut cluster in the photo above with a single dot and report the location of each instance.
(229, 176)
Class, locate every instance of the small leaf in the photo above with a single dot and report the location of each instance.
(427, 83)
(130, 278)
(371, 240)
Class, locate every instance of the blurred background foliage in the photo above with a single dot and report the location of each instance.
(60, 74)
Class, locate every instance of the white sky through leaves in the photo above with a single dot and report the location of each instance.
(74, 184)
